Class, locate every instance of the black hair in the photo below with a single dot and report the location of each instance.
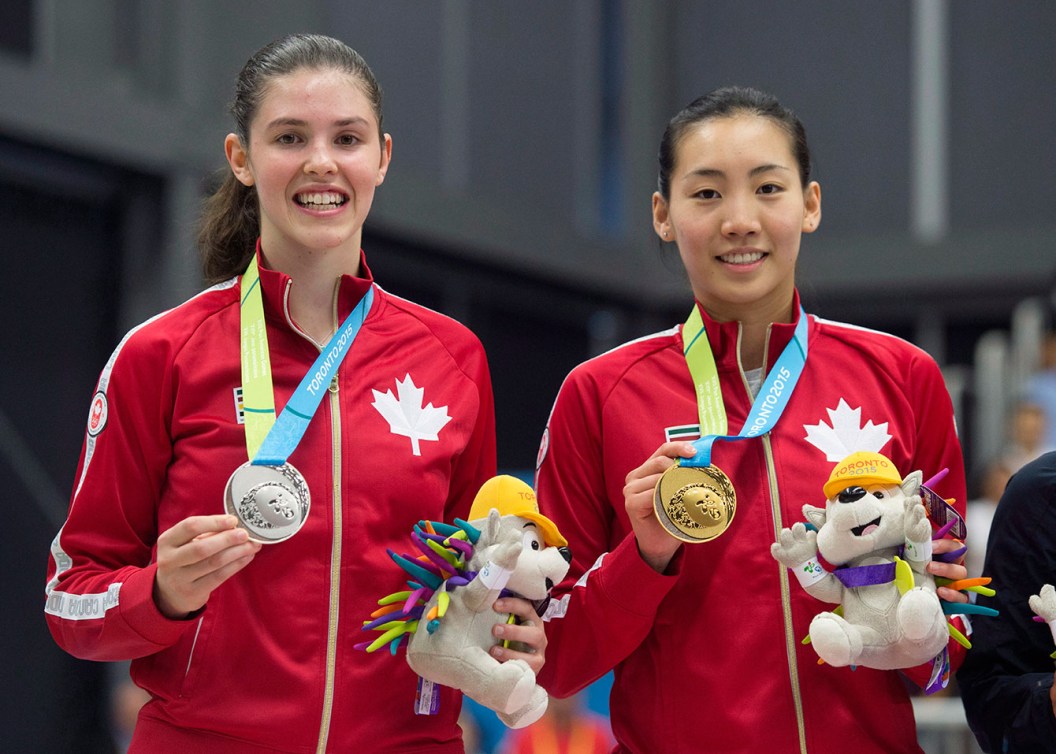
(724, 103)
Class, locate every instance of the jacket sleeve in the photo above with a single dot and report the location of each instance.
(936, 447)
(1007, 676)
(476, 463)
(607, 604)
(99, 594)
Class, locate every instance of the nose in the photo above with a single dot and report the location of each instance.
(565, 553)
(851, 494)
(740, 218)
(319, 161)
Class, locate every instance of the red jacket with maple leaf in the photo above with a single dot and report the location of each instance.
(709, 657)
(406, 432)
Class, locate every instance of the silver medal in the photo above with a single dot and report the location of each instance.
(270, 502)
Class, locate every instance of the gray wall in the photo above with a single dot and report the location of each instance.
(525, 133)
(525, 136)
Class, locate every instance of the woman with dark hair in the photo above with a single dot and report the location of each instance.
(705, 637)
(252, 453)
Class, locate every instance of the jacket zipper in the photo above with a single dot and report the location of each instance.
(190, 657)
(786, 599)
(335, 545)
(335, 569)
(775, 509)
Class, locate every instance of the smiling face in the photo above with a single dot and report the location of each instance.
(315, 158)
(736, 210)
(862, 520)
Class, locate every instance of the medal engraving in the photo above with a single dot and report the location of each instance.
(694, 504)
(270, 502)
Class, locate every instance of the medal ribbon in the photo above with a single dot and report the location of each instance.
(769, 404)
(270, 441)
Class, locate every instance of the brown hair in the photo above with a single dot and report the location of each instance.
(230, 221)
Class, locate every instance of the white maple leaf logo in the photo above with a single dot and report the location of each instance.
(406, 415)
(846, 435)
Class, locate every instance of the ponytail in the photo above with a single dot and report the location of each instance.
(227, 234)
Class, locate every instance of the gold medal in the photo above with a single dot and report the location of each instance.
(694, 503)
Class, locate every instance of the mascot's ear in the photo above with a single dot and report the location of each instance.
(494, 522)
(912, 483)
(814, 515)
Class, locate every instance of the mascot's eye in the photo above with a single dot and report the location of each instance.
(879, 494)
(535, 545)
(531, 539)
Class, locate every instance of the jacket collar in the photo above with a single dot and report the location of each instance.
(274, 285)
(722, 336)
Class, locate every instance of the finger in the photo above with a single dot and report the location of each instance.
(946, 544)
(223, 558)
(182, 589)
(662, 459)
(197, 554)
(534, 660)
(951, 595)
(504, 653)
(216, 577)
(194, 526)
(952, 571)
(530, 635)
(673, 450)
(522, 608)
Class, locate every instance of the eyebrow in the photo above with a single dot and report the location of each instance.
(343, 122)
(529, 524)
(715, 173)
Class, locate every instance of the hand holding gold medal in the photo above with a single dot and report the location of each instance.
(694, 503)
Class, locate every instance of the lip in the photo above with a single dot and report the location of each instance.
(746, 258)
(324, 196)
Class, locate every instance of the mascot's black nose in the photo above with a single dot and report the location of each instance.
(851, 494)
(565, 553)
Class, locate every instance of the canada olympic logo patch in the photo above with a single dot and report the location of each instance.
(97, 414)
(544, 446)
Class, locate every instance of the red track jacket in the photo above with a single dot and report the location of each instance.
(709, 658)
(269, 663)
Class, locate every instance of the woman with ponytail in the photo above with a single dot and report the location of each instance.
(250, 453)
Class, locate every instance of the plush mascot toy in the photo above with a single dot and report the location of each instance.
(446, 617)
(1044, 606)
(875, 530)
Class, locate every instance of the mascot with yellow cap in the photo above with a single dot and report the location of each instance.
(875, 531)
(445, 618)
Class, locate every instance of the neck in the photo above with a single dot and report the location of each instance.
(315, 276)
(313, 307)
(755, 324)
(753, 344)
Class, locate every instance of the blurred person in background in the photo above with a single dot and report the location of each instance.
(1028, 431)
(981, 511)
(1040, 388)
(568, 727)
